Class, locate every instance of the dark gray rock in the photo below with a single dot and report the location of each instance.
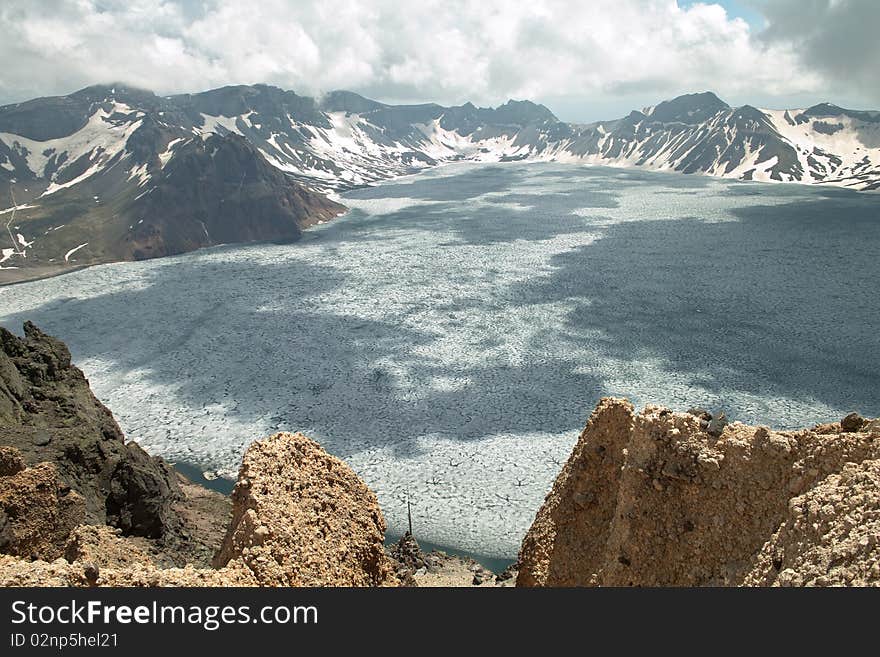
(701, 413)
(852, 422)
(408, 553)
(91, 572)
(716, 424)
(48, 412)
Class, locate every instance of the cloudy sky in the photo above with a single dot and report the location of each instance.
(585, 59)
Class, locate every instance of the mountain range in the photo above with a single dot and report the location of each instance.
(111, 172)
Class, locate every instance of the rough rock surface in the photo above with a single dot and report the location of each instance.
(302, 517)
(830, 537)
(16, 572)
(414, 567)
(407, 558)
(37, 510)
(204, 516)
(408, 553)
(102, 546)
(48, 412)
(655, 500)
(11, 462)
(446, 571)
(96, 555)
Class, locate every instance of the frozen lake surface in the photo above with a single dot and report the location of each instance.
(451, 334)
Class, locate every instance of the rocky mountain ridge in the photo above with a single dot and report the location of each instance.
(74, 173)
(116, 173)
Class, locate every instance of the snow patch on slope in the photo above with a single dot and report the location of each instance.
(227, 123)
(101, 139)
(73, 250)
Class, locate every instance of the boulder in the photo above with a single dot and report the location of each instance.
(302, 517)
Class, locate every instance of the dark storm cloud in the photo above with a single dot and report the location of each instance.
(839, 39)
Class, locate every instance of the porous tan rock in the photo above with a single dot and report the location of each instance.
(100, 556)
(577, 515)
(652, 499)
(11, 461)
(37, 509)
(302, 517)
(103, 546)
(18, 572)
(830, 536)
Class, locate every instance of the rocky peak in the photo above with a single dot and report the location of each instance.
(824, 110)
(119, 92)
(523, 112)
(689, 108)
(239, 197)
(750, 118)
(266, 101)
(348, 101)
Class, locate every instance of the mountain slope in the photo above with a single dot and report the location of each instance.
(701, 134)
(111, 172)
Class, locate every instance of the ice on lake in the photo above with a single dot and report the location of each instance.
(450, 335)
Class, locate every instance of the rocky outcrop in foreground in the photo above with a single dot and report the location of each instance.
(49, 414)
(672, 499)
(37, 510)
(300, 518)
(650, 499)
(81, 506)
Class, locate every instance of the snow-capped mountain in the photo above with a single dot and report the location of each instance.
(699, 133)
(112, 172)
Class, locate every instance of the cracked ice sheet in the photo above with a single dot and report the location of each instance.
(397, 337)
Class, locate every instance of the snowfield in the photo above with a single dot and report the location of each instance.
(450, 335)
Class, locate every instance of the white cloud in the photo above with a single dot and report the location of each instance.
(446, 51)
